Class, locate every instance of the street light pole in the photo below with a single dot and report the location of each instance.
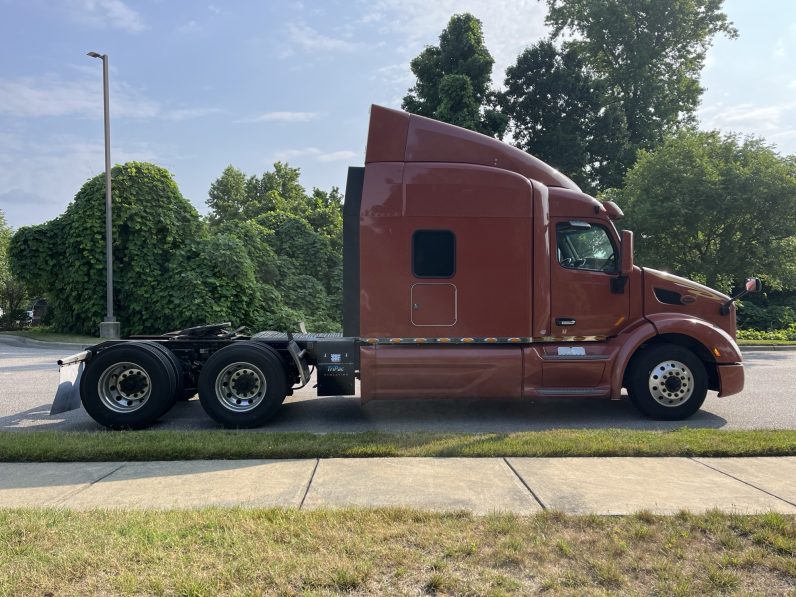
(110, 328)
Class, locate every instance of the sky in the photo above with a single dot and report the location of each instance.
(196, 85)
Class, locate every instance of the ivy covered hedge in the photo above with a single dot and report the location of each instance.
(171, 269)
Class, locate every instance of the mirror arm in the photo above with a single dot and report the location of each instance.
(725, 308)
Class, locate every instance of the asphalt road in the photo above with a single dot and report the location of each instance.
(29, 376)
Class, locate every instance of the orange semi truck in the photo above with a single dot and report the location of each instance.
(471, 270)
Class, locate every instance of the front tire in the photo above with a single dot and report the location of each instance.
(128, 386)
(243, 385)
(667, 382)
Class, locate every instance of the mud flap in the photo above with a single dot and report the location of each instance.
(67, 396)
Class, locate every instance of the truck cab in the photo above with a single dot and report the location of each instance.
(474, 270)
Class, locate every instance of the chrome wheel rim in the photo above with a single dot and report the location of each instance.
(671, 383)
(240, 387)
(124, 387)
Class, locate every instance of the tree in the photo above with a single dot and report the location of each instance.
(453, 79)
(12, 292)
(228, 198)
(649, 53)
(169, 271)
(556, 112)
(234, 196)
(5, 238)
(713, 208)
(293, 240)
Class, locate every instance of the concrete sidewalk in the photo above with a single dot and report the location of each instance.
(479, 485)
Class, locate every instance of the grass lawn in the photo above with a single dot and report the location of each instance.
(391, 552)
(53, 446)
(47, 336)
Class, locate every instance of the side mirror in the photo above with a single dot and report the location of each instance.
(753, 285)
(626, 253)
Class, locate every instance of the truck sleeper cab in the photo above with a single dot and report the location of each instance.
(471, 270)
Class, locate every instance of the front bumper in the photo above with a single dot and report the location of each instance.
(730, 379)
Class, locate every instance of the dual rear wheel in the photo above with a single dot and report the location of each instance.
(243, 385)
(132, 385)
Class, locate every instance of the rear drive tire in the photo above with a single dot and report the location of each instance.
(128, 386)
(667, 382)
(179, 378)
(243, 385)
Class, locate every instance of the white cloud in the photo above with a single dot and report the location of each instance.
(309, 39)
(774, 122)
(784, 44)
(189, 27)
(106, 13)
(49, 96)
(52, 96)
(214, 9)
(288, 154)
(68, 161)
(313, 152)
(180, 114)
(337, 156)
(283, 117)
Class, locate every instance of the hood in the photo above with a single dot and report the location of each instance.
(682, 285)
(667, 293)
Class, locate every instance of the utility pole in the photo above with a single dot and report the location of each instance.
(110, 328)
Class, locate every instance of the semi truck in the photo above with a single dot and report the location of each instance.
(471, 270)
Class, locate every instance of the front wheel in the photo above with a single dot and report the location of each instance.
(667, 382)
(243, 385)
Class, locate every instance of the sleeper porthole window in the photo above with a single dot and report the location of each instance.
(433, 254)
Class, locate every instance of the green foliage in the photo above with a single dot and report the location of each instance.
(14, 319)
(293, 241)
(227, 197)
(235, 196)
(648, 53)
(270, 258)
(12, 291)
(713, 208)
(556, 112)
(780, 335)
(5, 239)
(169, 272)
(772, 317)
(453, 79)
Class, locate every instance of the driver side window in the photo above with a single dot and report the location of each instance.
(585, 246)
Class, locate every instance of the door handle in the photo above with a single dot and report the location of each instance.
(565, 322)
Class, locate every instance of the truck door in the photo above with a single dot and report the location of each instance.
(584, 301)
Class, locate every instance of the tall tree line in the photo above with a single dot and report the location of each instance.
(613, 77)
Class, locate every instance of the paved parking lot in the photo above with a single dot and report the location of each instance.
(29, 376)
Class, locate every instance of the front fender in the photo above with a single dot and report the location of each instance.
(718, 342)
(628, 345)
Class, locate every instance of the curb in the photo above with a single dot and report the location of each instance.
(28, 342)
(761, 348)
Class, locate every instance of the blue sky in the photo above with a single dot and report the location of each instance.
(196, 86)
